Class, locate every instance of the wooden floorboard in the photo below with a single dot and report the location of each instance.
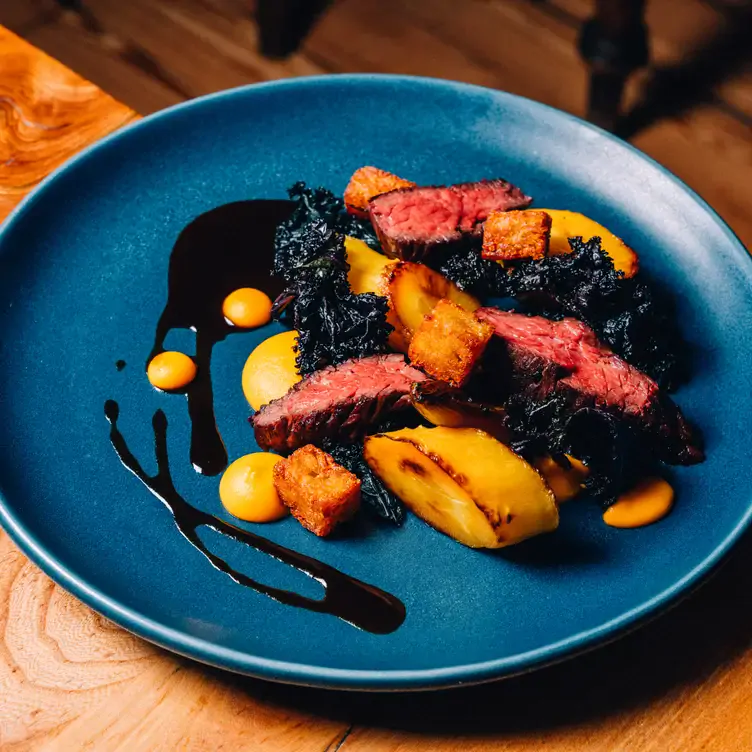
(196, 66)
(153, 53)
(83, 52)
(679, 29)
(380, 38)
(21, 16)
(234, 38)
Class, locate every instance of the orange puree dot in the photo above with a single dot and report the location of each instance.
(247, 489)
(271, 371)
(649, 501)
(171, 370)
(247, 307)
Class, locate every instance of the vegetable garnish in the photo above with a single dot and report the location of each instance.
(333, 323)
(613, 450)
(626, 313)
(629, 314)
(374, 494)
(470, 271)
(314, 204)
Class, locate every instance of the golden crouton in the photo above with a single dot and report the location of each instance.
(516, 234)
(449, 342)
(318, 492)
(367, 183)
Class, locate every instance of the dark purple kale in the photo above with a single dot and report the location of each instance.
(470, 271)
(315, 205)
(377, 497)
(333, 323)
(613, 449)
(628, 314)
(631, 315)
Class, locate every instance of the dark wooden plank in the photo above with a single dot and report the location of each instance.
(232, 36)
(367, 35)
(21, 16)
(223, 43)
(679, 29)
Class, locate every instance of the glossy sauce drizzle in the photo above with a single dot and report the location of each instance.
(351, 600)
(227, 248)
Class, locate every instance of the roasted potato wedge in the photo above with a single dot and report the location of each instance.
(429, 491)
(413, 289)
(367, 267)
(569, 224)
(444, 405)
(565, 483)
(449, 342)
(464, 483)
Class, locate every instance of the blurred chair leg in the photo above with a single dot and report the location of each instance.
(283, 24)
(614, 43)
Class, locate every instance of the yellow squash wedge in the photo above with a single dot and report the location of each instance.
(412, 289)
(568, 224)
(464, 483)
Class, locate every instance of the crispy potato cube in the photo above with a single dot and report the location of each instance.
(413, 291)
(367, 183)
(516, 234)
(318, 492)
(449, 342)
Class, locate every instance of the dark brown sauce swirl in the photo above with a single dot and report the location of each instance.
(351, 600)
(222, 250)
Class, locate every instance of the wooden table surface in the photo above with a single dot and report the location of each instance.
(70, 679)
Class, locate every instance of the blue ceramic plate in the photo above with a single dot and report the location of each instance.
(83, 280)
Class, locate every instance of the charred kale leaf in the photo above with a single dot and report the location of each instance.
(314, 205)
(373, 492)
(333, 323)
(470, 271)
(614, 450)
(627, 314)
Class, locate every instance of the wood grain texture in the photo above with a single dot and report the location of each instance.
(47, 113)
(71, 680)
(146, 94)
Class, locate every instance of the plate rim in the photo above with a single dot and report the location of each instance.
(360, 679)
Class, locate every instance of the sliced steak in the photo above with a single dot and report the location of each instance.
(340, 402)
(410, 222)
(566, 357)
